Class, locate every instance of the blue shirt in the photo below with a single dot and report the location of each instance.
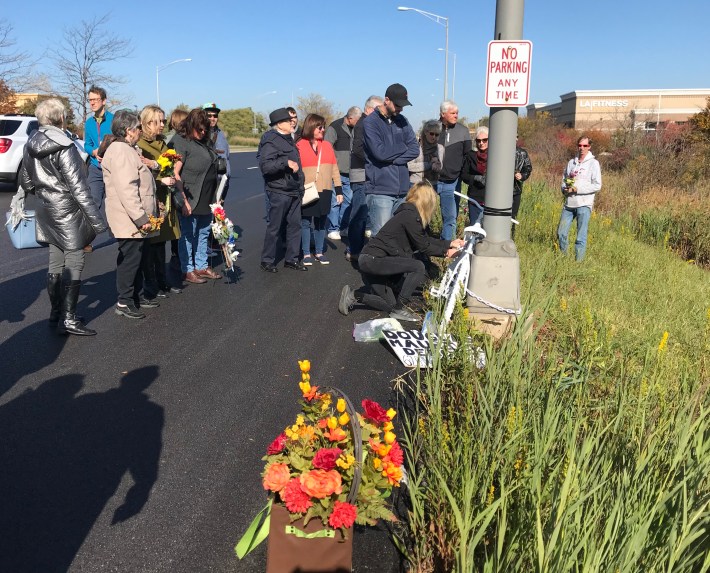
(93, 135)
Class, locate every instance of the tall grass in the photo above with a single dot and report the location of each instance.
(584, 445)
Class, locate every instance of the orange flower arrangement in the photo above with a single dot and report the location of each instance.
(311, 465)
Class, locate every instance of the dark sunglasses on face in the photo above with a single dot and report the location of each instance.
(482, 140)
(433, 134)
(212, 115)
(582, 145)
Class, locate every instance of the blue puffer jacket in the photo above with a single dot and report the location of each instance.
(389, 145)
(275, 149)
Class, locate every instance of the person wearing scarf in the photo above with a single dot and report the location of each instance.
(474, 173)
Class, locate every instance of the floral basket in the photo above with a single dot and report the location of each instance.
(331, 469)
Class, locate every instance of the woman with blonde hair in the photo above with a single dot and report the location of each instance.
(152, 146)
(389, 271)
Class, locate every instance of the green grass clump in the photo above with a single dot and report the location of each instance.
(584, 444)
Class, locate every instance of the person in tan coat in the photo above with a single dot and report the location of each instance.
(130, 204)
(319, 165)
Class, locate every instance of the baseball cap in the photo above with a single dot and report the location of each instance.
(397, 94)
(211, 106)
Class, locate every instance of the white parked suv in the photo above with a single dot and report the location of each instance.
(15, 130)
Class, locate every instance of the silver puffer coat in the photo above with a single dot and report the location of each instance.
(52, 169)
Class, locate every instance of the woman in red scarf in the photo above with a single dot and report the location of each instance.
(474, 172)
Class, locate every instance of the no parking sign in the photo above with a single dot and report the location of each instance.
(508, 73)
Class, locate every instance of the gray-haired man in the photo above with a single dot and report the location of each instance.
(340, 135)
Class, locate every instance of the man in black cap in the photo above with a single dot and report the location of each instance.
(280, 165)
(390, 144)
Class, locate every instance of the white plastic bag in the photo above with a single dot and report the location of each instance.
(371, 330)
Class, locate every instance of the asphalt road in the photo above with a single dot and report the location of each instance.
(139, 449)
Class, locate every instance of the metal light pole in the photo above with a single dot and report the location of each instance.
(157, 75)
(453, 81)
(444, 21)
(495, 265)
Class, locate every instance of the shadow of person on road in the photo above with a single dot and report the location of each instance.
(18, 294)
(38, 345)
(63, 456)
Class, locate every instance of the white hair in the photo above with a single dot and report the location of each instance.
(51, 112)
(447, 105)
(373, 101)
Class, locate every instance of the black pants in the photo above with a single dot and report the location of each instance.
(153, 268)
(384, 275)
(129, 279)
(283, 208)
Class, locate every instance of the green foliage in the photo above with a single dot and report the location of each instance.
(241, 122)
(584, 445)
(29, 107)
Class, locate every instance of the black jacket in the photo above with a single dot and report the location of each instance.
(275, 150)
(475, 180)
(53, 170)
(357, 156)
(403, 234)
(523, 165)
(457, 143)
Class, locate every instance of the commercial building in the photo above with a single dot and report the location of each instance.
(613, 109)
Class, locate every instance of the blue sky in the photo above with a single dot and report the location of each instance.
(347, 51)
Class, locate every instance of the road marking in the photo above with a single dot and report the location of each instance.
(257, 167)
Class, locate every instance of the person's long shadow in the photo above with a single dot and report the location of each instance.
(37, 345)
(18, 293)
(62, 458)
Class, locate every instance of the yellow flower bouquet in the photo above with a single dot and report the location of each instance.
(332, 465)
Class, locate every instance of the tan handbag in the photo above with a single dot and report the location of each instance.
(311, 194)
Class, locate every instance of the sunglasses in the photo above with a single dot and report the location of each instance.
(482, 140)
(583, 145)
(433, 134)
(212, 115)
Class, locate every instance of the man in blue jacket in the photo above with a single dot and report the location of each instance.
(280, 165)
(96, 128)
(390, 144)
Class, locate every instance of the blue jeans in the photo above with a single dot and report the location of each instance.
(340, 214)
(192, 248)
(95, 179)
(449, 208)
(582, 214)
(318, 226)
(358, 219)
(475, 213)
(381, 208)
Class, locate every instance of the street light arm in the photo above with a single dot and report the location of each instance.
(161, 68)
(442, 20)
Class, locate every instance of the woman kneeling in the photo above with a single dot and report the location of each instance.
(390, 273)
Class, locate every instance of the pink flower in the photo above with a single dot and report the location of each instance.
(326, 457)
(277, 445)
(374, 412)
(343, 515)
(296, 500)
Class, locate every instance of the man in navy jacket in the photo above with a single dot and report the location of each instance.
(280, 165)
(390, 144)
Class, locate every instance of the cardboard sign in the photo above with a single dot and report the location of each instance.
(412, 346)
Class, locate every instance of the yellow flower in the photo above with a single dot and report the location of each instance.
(387, 426)
(305, 365)
(390, 437)
(305, 377)
(345, 461)
(307, 432)
(377, 463)
(332, 422)
(299, 420)
(340, 405)
(305, 387)
(664, 342)
(163, 162)
(343, 419)
(563, 304)
(491, 495)
(391, 413)
(325, 402)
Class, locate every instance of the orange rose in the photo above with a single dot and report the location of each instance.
(276, 477)
(321, 483)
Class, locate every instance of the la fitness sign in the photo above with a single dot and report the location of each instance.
(508, 73)
(592, 103)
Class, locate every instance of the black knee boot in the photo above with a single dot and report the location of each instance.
(54, 289)
(70, 322)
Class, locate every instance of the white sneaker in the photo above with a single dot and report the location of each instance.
(334, 235)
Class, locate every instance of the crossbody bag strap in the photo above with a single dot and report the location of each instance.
(320, 151)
